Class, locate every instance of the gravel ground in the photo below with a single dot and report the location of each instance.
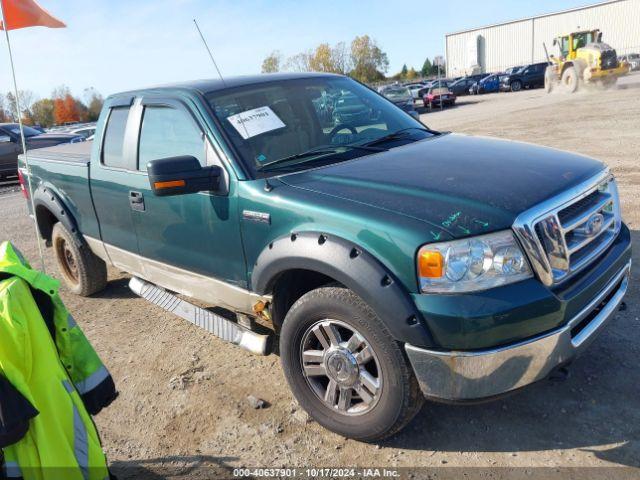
(183, 393)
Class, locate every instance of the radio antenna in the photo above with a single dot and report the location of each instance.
(209, 50)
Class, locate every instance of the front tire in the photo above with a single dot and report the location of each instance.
(82, 271)
(344, 368)
(516, 86)
(570, 79)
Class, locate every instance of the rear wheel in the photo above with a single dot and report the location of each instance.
(344, 368)
(516, 86)
(570, 79)
(83, 272)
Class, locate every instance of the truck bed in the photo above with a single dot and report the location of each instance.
(66, 152)
(65, 170)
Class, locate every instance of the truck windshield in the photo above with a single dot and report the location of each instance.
(321, 119)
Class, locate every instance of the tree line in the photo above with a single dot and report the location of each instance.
(363, 60)
(60, 108)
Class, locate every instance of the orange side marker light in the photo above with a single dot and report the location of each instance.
(430, 264)
(169, 184)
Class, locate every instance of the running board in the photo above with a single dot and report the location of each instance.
(219, 326)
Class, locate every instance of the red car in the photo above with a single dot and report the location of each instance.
(437, 96)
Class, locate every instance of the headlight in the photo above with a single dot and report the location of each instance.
(471, 264)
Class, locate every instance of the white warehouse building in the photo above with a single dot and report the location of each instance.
(497, 47)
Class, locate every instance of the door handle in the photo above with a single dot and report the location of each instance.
(136, 201)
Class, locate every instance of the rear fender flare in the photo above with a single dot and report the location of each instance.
(46, 198)
(353, 267)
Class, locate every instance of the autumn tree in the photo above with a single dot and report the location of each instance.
(42, 112)
(65, 110)
(271, 64)
(328, 59)
(27, 98)
(369, 62)
(95, 107)
(411, 74)
(300, 62)
(3, 109)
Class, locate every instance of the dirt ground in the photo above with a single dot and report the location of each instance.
(183, 393)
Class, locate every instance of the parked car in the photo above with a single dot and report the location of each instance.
(489, 84)
(350, 110)
(401, 97)
(415, 88)
(87, 131)
(11, 144)
(531, 76)
(438, 96)
(633, 59)
(512, 70)
(404, 261)
(461, 86)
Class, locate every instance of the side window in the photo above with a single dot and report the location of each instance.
(168, 132)
(113, 146)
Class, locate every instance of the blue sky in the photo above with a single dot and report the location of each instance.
(115, 45)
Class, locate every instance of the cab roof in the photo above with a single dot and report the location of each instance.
(207, 86)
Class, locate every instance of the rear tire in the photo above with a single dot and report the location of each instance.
(82, 271)
(570, 79)
(516, 86)
(372, 396)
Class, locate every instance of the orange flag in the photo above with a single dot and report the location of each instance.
(27, 13)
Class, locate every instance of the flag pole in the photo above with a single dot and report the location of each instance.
(24, 143)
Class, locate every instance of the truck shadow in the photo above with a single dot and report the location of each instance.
(594, 410)
(196, 466)
(116, 289)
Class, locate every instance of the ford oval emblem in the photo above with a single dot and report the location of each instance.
(594, 225)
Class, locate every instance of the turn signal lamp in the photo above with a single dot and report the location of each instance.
(170, 184)
(430, 264)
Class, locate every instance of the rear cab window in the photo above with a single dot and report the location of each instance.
(113, 144)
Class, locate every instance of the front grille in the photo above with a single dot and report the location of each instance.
(567, 233)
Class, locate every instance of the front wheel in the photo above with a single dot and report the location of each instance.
(516, 86)
(570, 79)
(344, 368)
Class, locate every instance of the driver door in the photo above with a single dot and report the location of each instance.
(188, 234)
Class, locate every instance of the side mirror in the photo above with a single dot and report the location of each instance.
(182, 175)
(5, 138)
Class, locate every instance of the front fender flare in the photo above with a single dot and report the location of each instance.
(353, 267)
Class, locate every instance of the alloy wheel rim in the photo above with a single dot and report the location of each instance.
(341, 367)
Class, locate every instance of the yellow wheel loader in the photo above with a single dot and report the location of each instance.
(584, 57)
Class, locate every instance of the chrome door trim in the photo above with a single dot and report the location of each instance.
(194, 285)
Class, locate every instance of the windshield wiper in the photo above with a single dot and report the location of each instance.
(319, 151)
(394, 135)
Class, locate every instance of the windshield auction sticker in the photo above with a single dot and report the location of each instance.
(255, 122)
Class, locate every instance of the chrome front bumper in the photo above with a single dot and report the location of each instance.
(459, 375)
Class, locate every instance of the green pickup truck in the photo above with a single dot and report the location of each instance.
(391, 262)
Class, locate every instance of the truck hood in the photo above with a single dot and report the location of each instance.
(457, 184)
